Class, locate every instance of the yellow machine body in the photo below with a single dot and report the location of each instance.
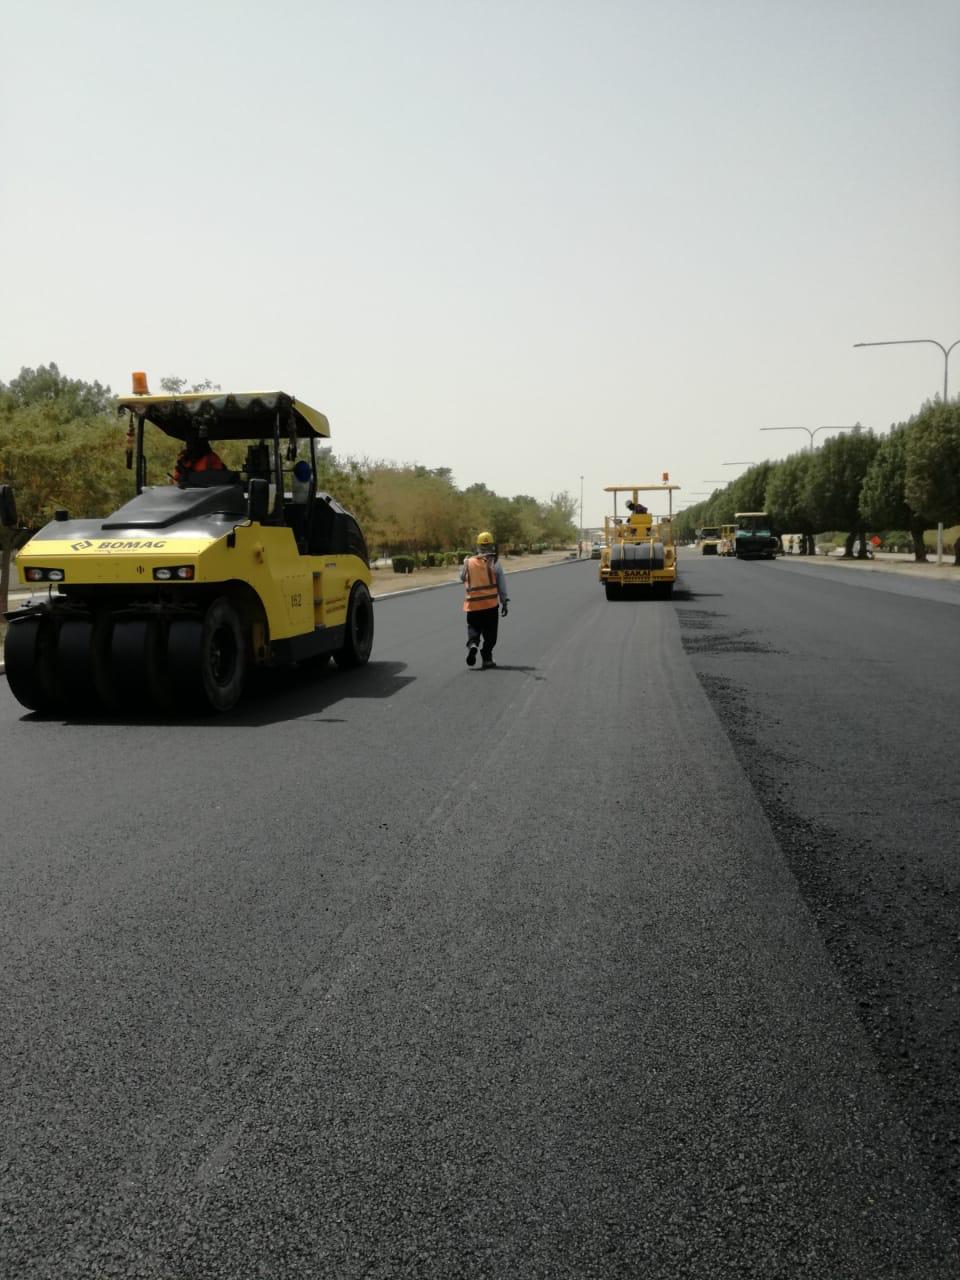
(298, 593)
(710, 539)
(174, 597)
(728, 534)
(639, 555)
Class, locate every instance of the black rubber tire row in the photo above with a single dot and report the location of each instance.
(117, 662)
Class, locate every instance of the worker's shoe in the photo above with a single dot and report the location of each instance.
(472, 655)
(487, 662)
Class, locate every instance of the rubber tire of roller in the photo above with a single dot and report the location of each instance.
(29, 660)
(358, 642)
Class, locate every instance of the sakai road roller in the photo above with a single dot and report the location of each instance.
(639, 556)
(172, 600)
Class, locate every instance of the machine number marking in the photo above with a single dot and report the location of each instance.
(296, 600)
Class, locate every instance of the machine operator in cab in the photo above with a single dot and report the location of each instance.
(486, 599)
(195, 456)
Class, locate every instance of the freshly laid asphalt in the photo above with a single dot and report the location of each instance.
(636, 956)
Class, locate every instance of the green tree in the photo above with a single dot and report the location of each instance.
(530, 522)
(883, 497)
(70, 398)
(831, 492)
(347, 482)
(61, 446)
(932, 483)
(747, 493)
(178, 386)
(785, 498)
(505, 523)
(559, 519)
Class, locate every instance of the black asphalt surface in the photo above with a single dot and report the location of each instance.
(636, 956)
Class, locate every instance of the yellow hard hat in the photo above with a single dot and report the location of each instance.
(485, 539)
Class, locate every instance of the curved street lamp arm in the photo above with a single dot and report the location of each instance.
(905, 342)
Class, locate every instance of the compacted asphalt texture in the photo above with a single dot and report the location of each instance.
(636, 956)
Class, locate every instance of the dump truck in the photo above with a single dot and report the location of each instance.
(639, 557)
(754, 538)
(175, 598)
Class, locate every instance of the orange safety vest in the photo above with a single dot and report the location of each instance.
(209, 462)
(206, 462)
(481, 584)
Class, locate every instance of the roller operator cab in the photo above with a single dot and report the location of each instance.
(755, 539)
(639, 557)
(175, 598)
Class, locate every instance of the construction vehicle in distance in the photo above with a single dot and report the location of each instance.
(173, 599)
(754, 538)
(728, 534)
(709, 540)
(639, 556)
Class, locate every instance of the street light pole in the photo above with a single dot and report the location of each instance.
(810, 433)
(906, 342)
(580, 543)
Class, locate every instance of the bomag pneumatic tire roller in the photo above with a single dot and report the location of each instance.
(171, 601)
(639, 557)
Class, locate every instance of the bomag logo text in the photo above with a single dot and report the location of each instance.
(131, 544)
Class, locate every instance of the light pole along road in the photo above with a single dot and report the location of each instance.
(811, 433)
(906, 342)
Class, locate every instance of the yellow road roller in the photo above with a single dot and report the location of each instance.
(639, 556)
(709, 539)
(202, 575)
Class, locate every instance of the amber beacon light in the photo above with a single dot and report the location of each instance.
(140, 387)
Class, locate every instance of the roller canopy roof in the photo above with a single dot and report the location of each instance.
(239, 415)
(633, 488)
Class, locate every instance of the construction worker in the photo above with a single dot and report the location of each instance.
(486, 599)
(196, 455)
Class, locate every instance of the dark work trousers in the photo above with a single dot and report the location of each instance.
(482, 626)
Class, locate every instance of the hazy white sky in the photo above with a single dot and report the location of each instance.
(528, 240)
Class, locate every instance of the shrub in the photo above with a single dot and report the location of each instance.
(895, 540)
(403, 564)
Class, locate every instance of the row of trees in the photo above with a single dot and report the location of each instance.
(62, 445)
(908, 479)
(408, 508)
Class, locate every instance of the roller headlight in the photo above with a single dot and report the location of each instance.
(33, 574)
(183, 572)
